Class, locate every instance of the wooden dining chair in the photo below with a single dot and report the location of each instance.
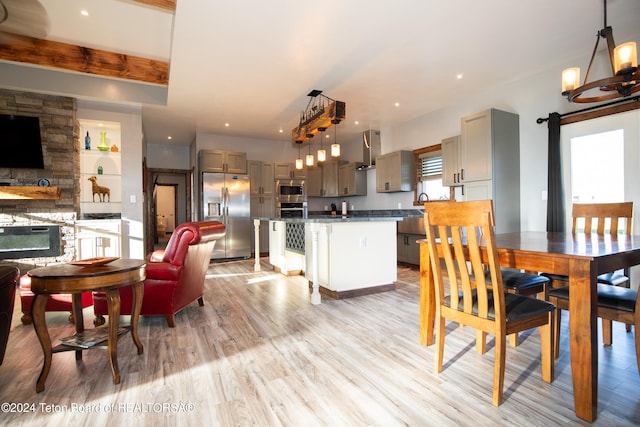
(474, 302)
(614, 303)
(603, 219)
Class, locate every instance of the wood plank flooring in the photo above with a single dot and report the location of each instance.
(259, 354)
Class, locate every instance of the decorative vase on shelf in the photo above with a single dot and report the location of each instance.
(103, 142)
(87, 142)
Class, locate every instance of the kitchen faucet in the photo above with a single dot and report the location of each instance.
(420, 197)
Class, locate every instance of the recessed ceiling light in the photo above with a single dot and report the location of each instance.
(226, 124)
(169, 137)
(84, 13)
(458, 76)
(281, 130)
(356, 123)
(397, 104)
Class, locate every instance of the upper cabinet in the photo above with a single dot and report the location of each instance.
(476, 146)
(352, 181)
(490, 164)
(223, 161)
(451, 161)
(288, 171)
(261, 176)
(100, 169)
(313, 185)
(323, 181)
(394, 172)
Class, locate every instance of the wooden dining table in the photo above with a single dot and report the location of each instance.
(581, 257)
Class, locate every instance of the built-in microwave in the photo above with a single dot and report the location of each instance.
(290, 190)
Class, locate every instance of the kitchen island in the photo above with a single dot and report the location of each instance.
(341, 257)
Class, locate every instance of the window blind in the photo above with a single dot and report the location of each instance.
(430, 167)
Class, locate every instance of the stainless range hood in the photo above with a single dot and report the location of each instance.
(371, 147)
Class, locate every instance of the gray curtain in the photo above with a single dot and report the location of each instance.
(555, 194)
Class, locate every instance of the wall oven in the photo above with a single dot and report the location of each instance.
(290, 210)
(290, 190)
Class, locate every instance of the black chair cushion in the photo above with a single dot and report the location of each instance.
(517, 280)
(615, 279)
(517, 307)
(613, 297)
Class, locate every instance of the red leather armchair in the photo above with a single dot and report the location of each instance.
(175, 276)
(56, 302)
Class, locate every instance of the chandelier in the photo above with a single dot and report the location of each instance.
(321, 113)
(625, 78)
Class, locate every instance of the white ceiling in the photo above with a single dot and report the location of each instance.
(251, 63)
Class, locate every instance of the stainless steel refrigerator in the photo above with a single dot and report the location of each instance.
(225, 198)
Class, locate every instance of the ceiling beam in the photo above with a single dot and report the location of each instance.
(85, 60)
(162, 4)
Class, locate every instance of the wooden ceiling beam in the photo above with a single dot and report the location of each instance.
(85, 60)
(162, 4)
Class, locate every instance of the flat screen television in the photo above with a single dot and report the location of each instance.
(20, 143)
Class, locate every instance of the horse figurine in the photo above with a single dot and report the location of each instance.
(99, 190)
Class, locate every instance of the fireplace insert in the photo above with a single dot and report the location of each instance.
(30, 241)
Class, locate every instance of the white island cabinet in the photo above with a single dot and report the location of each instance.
(342, 257)
(354, 258)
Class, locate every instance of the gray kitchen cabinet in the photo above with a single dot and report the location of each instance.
(490, 164)
(223, 161)
(261, 200)
(314, 182)
(323, 181)
(450, 161)
(289, 171)
(330, 173)
(261, 178)
(408, 248)
(394, 172)
(352, 182)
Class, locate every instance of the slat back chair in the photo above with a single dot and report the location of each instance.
(597, 216)
(467, 296)
(602, 219)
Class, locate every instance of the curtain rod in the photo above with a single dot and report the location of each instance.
(595, 107)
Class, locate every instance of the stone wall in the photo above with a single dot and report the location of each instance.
(60, 138)
(60, 145)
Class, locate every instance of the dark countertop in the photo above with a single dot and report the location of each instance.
(354, 216)
(338, 218)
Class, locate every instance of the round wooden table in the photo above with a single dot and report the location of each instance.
(73, 279)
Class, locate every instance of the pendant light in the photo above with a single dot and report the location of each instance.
(335, 147)
(299, 163)
(322, 153)
(309, 159)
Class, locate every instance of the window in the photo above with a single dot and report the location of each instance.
(596, 172)
(428, 178)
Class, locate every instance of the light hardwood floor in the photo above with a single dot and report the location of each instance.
(259, 354)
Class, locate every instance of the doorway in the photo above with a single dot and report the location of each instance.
(166, 212)
(169, 204)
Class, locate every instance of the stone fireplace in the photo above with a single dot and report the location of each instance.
(30, 241)
(59, 131)
(64, 224)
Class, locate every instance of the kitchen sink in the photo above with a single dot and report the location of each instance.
(412, 225)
